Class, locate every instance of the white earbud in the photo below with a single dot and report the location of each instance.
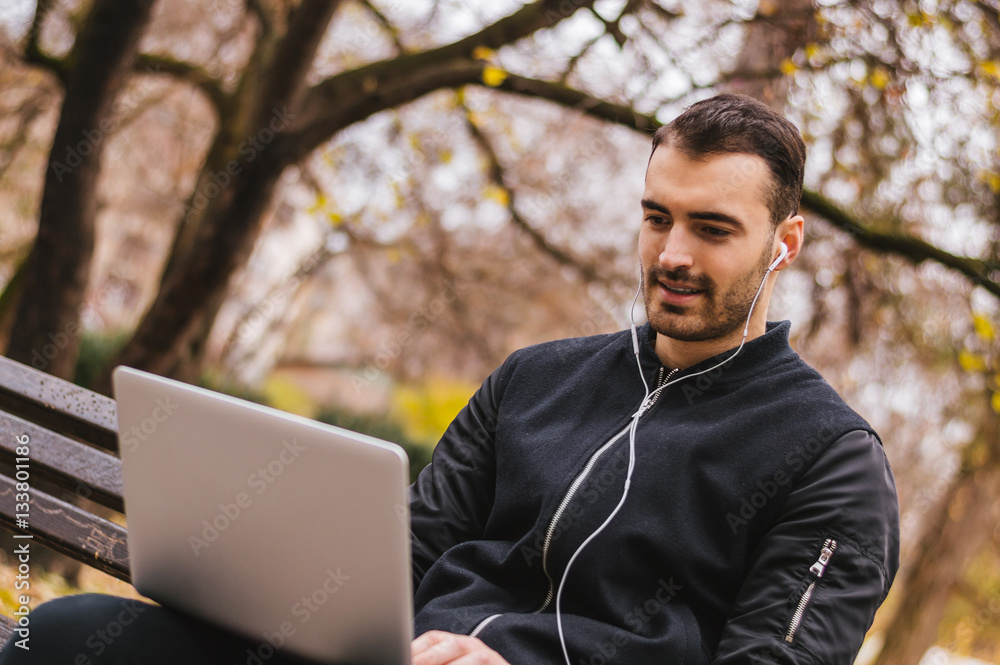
(782, 253)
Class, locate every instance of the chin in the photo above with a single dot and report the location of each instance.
(691, 328)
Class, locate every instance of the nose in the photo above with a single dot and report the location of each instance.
(678, 249)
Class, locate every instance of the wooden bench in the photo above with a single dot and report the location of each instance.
(73, 447)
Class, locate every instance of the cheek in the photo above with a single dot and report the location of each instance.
(648, 250)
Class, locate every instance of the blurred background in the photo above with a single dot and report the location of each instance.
(355, 210)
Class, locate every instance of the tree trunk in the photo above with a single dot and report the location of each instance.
(214, 243)
(46, 329)
(229, 203)
(960, 526)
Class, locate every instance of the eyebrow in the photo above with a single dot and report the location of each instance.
(706, 215)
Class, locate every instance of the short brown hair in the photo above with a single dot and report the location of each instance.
(729, 123)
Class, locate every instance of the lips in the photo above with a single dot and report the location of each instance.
(681, 290)
(678, 292)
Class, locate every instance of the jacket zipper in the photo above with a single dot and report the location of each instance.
(817, 570)
(575, 485)
(550, 532)
(482, 624)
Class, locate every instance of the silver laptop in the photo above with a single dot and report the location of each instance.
(289, 531)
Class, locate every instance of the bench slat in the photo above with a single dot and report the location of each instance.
(72, 531)
(73, 466)
(58, 405)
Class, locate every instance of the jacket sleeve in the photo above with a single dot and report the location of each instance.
(795, 608)
(453, 495)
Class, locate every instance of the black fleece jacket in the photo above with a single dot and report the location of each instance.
(761, 525)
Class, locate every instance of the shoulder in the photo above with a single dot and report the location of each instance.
(572, 352)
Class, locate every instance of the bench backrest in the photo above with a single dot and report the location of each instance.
(72, 442)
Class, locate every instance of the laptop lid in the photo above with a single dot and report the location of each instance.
(292, 532)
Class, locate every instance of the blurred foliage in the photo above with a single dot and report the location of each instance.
(284, 394)
(426, 409)
(381, 427)
(96, 349)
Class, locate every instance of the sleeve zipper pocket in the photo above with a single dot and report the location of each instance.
(817, 570)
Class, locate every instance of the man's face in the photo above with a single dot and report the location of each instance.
(705, 242)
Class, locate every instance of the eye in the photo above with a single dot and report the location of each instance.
(717, 232)
(657, 220)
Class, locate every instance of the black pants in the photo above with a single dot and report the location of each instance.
(95, 629)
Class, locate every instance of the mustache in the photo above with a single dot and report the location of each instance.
(681, 275)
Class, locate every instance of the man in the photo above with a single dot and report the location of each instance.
(689, 493)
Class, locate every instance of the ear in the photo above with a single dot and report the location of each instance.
(790, 232)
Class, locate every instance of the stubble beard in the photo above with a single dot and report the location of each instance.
(717, 316)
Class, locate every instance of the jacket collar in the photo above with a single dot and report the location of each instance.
(769, 348)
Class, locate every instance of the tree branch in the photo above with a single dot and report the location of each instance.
(32, 50)
(152, 64)
(915, 250)
(496, 174)
(284, 81)
(367, 79)
(355, 95)
(386, 24)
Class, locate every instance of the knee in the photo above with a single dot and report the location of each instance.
(73, 629)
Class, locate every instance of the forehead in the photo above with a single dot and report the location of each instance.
(734, 183)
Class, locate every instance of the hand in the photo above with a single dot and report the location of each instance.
(437, 647)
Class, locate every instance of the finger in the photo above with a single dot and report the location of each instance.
(426, 641)
(480, 655)
(442, 648)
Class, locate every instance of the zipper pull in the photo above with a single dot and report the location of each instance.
(819, 567)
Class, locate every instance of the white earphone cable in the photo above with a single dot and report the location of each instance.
(646, 403)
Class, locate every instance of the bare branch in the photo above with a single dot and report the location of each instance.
(387, 25)
(368, 80)
(152, 64)
(32, 50)
(496, 174)
(915, 250)
(285, 79)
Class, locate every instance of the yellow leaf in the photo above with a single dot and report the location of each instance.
(995, 402)
(788, 67)
(879, 78)
(493, 76)
(983, 327)
(971, 362)
(483, 53)
(990, 68)
(498, 194)
(320, 203)
(992, 180)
